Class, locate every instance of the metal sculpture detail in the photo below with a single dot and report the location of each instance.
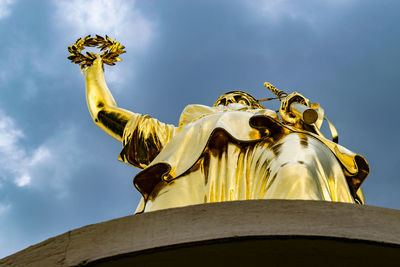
(234, 150)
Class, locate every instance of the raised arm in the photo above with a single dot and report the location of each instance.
(102, 106)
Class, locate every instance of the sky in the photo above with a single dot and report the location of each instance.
(59, 171)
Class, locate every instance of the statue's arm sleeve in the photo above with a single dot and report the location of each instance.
(143, 138)
(102, 106)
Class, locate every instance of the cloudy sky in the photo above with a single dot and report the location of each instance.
(58, 171)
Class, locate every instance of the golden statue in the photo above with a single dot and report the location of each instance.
(235, 150)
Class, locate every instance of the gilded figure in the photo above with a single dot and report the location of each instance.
(235, 149)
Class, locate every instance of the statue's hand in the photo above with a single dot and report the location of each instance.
(96, 67)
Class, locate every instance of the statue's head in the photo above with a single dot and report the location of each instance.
(238, 97)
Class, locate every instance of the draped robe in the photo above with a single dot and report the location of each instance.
(232, 152)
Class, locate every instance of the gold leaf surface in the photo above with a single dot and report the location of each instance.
(111, 50)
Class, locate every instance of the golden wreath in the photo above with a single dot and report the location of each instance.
(109, 56)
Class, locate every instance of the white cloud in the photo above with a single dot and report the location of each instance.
(54, 163)
(23, 180)
(5, 10)
(41, 154)
(9, 134)
(49, 165)
(119, 19)
(15, 160)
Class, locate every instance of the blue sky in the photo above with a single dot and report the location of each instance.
(58, 171)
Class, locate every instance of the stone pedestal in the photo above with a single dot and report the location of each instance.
(240, 233)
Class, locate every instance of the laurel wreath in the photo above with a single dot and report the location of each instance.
(109, 56)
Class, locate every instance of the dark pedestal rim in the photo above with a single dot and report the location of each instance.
(227, 231)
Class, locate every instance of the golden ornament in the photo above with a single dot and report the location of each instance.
(112, 49)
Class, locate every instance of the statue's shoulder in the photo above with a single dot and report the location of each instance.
(195, 111)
